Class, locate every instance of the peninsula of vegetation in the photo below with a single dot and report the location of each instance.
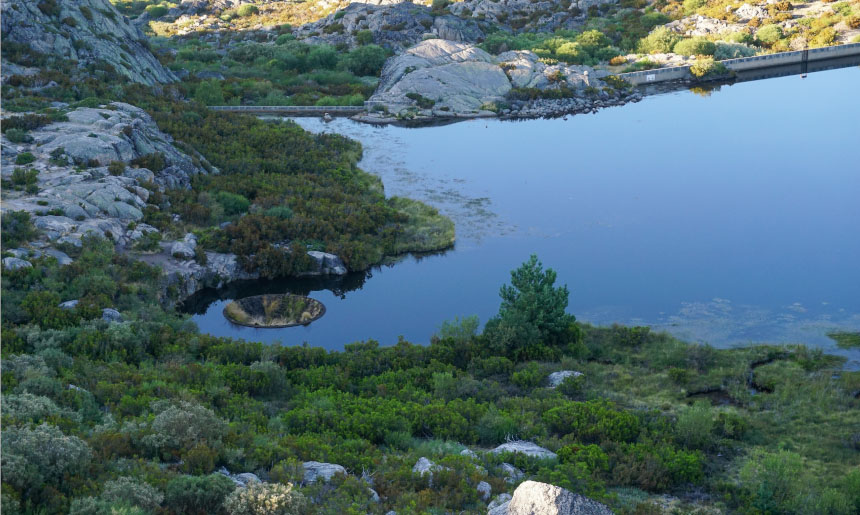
(124, 193)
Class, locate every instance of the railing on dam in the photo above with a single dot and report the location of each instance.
(745, 63)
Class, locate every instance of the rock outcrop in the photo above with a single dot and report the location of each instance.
(241, 480)
(315, 471)
(531, 498)
(86, 31)
(455, 77)
(13, 263)
(556, 378)
(101, 199)
(446, 79)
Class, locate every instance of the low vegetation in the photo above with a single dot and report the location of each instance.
(139, 414)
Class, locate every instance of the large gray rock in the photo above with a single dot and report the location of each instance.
(423, 466)
(523, 447)
(556, 378)
(326, 264)
(111, 315)
(458, 77)
(182, 250)
(485, 490)
(13, 263)
(241, 480)
(499, 505)
(511, 473)
(86, 31)
(532, 498)
(61, 257)
(315, 470)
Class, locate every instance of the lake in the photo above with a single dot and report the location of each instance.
(729, 217)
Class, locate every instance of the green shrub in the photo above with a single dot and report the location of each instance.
(423, 102)
(366, 60)
(691, 6)
(732, 51)
(156, 11)
(27, 122)
(154, 162)
(149, 242)
(775, 482)
(695, 46)
(531, 375)
(133, 492)
(24, 158)
(769, 34)
(705, 67)
(116, 168)
(592, 421)
(17, 228)
(245, 10)
(191, 495)
(364, 37)
(660, 41)
(695, 425)
(232, 203)
(592, 456)
(282, 212)
(21, 178)
(18, 136)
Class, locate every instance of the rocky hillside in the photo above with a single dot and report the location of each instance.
(93, 173)
(395, 26)
(87, 31)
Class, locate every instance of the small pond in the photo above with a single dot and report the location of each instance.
(729, 217)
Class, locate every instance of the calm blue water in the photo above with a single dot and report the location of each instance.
(731, 218)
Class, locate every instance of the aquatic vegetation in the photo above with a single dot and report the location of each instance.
(845, 339)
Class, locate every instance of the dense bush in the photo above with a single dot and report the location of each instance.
(246, 10)
(660, 40)
(17, 228)
(732, 51)
(769, 34)
(695, 46)
(592, 421)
